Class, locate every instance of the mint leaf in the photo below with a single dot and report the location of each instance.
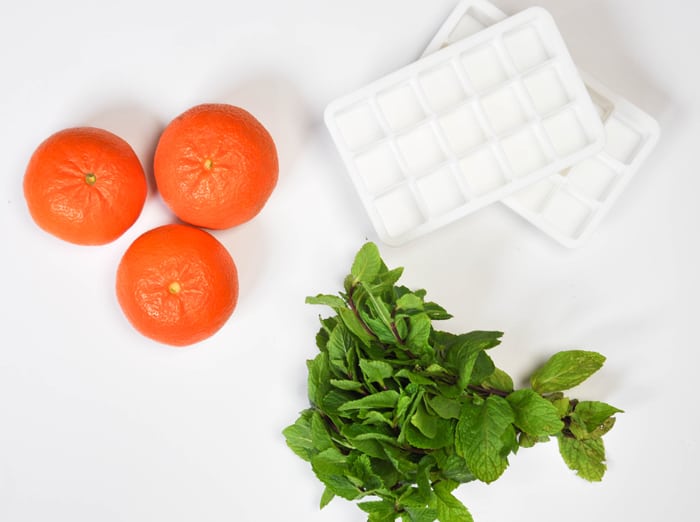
(298, 437)
(454, 467)
(479, 436)
(333, 301)
(327, 496)
(345, 384)
(483, 367)
(408, 302)
(586, 457)
(427, 424)
(565, 370)
(449, 508)
(331, 468)
(403, 413)
(418, 332)
(378, 510)
(383, 399)
(351, 321)
(592, 414)
(534, 414)
(376, 371)
(462, 351)
(436, 312)
(319, 433)
(317, 381)
(423, 514)
(367, 264)
(361, 469)
(379, 309)
(592, 419)
(339, 342)
(498, 380)
(444, 436)
(444, 407)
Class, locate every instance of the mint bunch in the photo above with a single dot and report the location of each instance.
(402, 413)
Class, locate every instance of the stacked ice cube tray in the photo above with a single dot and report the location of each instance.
(460, 128)
(475, 121)
(570, 204)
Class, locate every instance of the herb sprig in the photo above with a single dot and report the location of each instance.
(402, 413)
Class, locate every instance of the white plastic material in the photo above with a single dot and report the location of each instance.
(568, 205)
(458, 130)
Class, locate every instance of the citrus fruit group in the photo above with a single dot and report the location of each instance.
(177, 284)
(85, 185)
(215, 166)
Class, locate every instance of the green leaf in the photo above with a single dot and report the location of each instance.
(413, 377)
(368, 439)
(409, 301)
(298, 437)
(454, 468)
(444, 407)
(498, 380)
(405, 400)
(345, 384)
(381, 331)
(592, 414)
(319, 433)
(334, 399)
(436, 312)
(592, 419)
(378, 510)
(426, 423)
(462, 351)
(586, 457)
(322, 339)
(424, 495)
(367, 264)
(479, 439)
(581, 432)
(449, 508)
(389, 277)
(375, 417)
(379, 308)
(327, 496)
(418, 332)
(483, 367)
(420, 514)
(444, 435)
(527, 441)
(534, 414)
(562, 406)
(509, 439)
(361, 468)
(318, 377)
(565, 370)
(376, 371)
(383, 399)
(339, 342)
(331, 468)
(332, 301)
(353, 324)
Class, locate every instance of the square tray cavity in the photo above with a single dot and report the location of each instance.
(570, 204)
(460, 129)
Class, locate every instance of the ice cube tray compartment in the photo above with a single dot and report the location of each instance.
(567, 205)
(466, 119)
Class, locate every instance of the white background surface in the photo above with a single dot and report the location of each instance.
(98, 423)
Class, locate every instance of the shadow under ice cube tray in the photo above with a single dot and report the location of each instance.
(460, 129)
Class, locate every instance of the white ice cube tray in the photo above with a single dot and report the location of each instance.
(457, 130)
(567, 205)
